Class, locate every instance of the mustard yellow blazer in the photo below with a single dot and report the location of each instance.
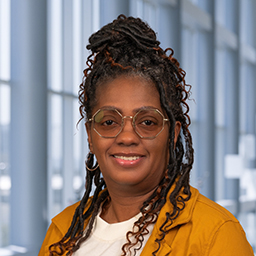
(203, 228)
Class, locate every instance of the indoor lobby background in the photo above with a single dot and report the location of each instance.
(42, 151)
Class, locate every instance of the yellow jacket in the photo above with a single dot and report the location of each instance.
(203, 228)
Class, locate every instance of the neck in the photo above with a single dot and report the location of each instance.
(122, 208)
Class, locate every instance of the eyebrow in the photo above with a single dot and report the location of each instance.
(134, 110)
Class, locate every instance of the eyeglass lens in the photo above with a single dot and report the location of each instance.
(147, 122)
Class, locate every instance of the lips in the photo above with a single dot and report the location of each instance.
(130, 160)
(127, 158)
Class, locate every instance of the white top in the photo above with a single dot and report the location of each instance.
(107, 239)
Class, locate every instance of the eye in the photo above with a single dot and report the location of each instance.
(107, 118)
(147, 122)
(108, 123)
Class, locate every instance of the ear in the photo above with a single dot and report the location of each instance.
(176, 131)
(88, 130)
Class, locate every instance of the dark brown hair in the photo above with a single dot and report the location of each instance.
(128, 46)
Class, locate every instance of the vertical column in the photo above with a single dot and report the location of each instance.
(68, 124)
(198, 55)
(232, 118)
(209, 125)
(170, 27)
(233, 79)
(28, 123)
(206, 141)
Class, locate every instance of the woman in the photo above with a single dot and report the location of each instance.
(133, 98)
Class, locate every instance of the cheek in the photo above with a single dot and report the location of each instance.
(100, 145)
(160, 150)
(165, 150)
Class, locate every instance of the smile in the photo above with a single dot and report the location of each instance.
(127, 158)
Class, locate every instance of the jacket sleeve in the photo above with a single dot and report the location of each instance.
(53, 235)
(229, 240)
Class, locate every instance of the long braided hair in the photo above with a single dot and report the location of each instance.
(128, 46)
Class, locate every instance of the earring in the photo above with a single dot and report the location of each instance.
(90, 155)
(93, 169)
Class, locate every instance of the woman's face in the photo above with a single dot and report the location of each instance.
(129, 163)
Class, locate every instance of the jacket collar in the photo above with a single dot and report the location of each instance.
(185, 215)
(183, 218)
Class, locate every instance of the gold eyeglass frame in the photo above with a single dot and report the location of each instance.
(133, 122)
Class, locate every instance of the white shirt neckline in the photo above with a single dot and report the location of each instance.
(114, 231)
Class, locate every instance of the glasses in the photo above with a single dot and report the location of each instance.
(148, 123)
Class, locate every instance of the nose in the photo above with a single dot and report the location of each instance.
(128, 134)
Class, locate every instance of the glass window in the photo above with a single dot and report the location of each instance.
(247, 99)
(69, 29)
(203, 4)
(248, 20)
(227, 13)
(5, 96)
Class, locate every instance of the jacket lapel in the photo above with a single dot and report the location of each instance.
(183, 218)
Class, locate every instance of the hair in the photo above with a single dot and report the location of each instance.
(128, 46)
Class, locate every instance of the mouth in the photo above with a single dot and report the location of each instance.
(131, 160)
(127, 158)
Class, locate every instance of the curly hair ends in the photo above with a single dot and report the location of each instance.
(128, 47)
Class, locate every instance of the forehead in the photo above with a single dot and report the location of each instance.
(127, 93)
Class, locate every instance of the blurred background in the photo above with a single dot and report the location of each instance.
(42, 151)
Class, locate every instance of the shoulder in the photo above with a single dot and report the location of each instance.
(217, 228)
(204, 207)
(199, 210)
(204, 227)
(58, 228)
(63, 220)
(210, 217)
